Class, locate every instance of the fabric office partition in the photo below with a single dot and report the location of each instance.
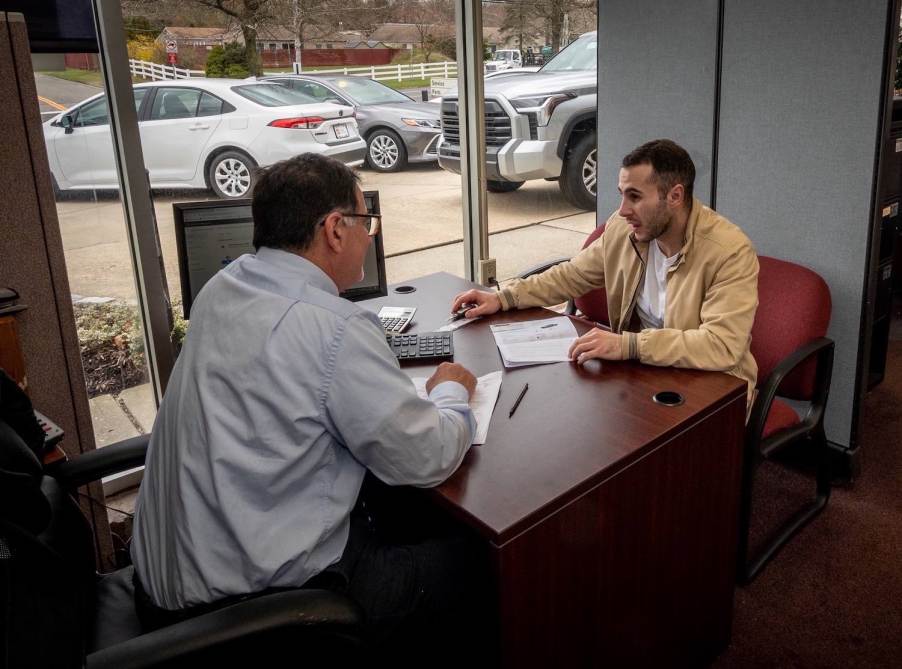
(656, 78)
(802, 90)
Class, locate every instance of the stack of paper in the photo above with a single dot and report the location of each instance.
(482, 403)
(535, 342)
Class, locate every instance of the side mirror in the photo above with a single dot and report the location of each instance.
(67, 122)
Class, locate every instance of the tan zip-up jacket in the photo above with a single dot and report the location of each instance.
(712, 294)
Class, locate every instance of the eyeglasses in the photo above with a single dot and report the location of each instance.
(372, 222)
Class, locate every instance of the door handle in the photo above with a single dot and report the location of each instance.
(199, 127)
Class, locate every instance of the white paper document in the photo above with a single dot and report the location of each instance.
(482, 403)
(535, 342)
(454, 325)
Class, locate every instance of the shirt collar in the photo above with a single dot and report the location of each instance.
(297, 266)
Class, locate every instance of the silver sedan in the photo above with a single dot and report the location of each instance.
(397, 129)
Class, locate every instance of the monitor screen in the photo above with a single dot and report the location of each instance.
(57, 26)
(211, 234)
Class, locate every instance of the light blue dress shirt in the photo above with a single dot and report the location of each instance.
(282, 396)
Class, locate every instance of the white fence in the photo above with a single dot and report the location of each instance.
(445, 69)
(399, 72)
(155, 71)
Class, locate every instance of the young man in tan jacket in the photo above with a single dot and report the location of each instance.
(681, 280)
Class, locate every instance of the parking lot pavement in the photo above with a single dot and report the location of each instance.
(421, 209)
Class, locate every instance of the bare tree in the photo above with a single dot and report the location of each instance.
(305, 19)
(550, 14)
(430, 18)
(521, 21)
(250, 15)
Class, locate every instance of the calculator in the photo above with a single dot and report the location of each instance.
(396, 319)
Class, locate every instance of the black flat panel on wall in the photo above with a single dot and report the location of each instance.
(57, 26)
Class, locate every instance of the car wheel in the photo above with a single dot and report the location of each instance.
(503, 186)
(579, 179)
(385, 152)
(231, 174)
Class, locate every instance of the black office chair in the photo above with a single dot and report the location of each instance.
(56, 611)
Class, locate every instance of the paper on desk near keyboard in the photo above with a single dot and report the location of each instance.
(535, 342)
(451, 327)
(482, 403)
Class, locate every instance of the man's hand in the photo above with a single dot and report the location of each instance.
(596, 343)
(451, 371)
(487, 302)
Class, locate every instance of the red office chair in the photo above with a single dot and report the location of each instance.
(594, 304)
(795, 361)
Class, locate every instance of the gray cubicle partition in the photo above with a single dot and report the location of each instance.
(802, 93)
(787, 130)
(657, 76)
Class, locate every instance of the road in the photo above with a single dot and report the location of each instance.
(55, 94)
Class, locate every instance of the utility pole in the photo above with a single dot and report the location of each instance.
(298, 43)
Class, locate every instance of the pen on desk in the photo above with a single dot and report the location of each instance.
(460, 313)
(517, 403)
(550, 325)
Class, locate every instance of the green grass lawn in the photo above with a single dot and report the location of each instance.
(89, 77)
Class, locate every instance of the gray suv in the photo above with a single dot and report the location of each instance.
(538, 125)
(397, 129)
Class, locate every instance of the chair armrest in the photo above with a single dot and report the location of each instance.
(94, 465)
(538, 269)
(291, 612)
(570, 309)
(823, 348)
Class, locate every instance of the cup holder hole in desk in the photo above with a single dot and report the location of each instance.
(669, 398)
(405, 289)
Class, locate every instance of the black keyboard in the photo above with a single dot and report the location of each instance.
(424, 347)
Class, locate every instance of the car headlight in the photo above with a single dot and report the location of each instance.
(422, 122)
(542, 105)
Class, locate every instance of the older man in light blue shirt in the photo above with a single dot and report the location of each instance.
(283, 396)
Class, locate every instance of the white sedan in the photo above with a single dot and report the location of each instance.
(201, 133)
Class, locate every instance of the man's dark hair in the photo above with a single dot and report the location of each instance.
(292, 196)
(670, 162)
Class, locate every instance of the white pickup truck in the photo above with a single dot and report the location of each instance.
(504, 59)
(539, 125)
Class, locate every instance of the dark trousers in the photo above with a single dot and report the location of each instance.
(422, 581)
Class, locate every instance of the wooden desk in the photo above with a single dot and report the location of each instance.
(612, 520)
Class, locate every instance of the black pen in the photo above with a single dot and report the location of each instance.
(517, 403)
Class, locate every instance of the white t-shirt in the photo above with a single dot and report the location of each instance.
(653, 293)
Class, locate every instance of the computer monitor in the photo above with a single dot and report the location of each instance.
(211, 234)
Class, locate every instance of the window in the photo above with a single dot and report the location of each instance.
(174, 103)
(98, 113)
(367, 91)
(209, 105)
(314, 91)
(286, 46)
(271, 95)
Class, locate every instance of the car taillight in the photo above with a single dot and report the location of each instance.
(303, 122)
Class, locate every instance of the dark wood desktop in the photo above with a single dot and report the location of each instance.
(611, 519)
